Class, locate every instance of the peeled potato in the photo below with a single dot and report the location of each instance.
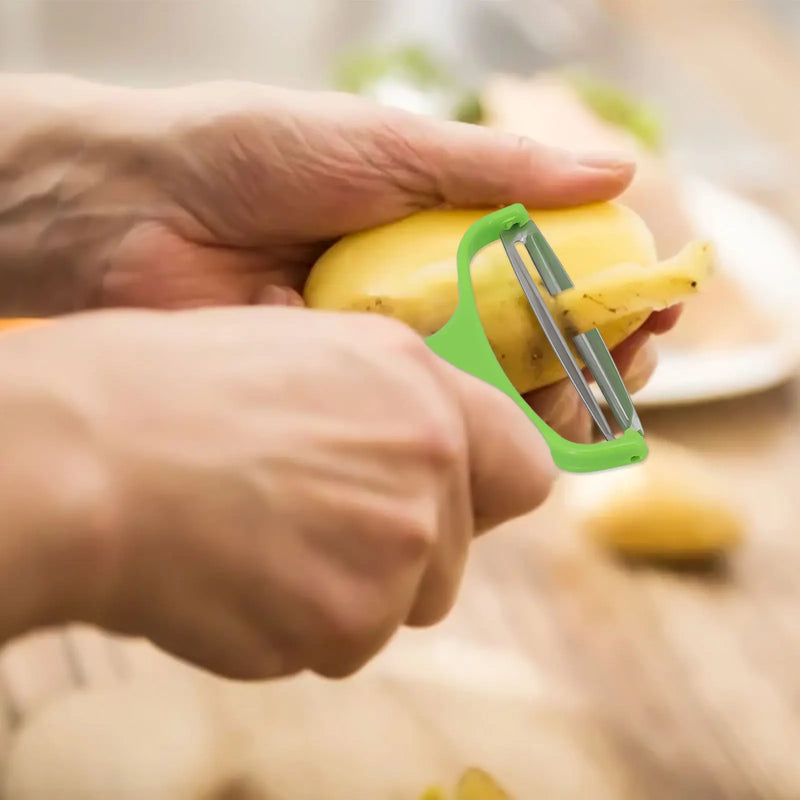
(407, 269)
(476, 784)
(434, 793)
(671, 506)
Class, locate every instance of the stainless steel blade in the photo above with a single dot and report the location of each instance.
(509, 239)
(590, 345)
(597, 357)
(547, 263)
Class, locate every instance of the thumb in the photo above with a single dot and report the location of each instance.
(472, 165)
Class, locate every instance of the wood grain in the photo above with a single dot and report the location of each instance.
(561, 667)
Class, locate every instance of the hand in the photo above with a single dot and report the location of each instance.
(257, 490)
(226, 193)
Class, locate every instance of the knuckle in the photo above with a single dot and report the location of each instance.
(254, 659)
(437, 593)
(426, 615)
(441, 442)
(390, 333)
(403, 339)
(340, 668)
(355, 632)
(437, 435)
(353, 624)
(341, 663)
(414, 534)
(261, 667)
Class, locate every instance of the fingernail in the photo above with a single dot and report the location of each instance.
(605, 161)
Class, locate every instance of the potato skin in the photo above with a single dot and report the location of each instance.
(407, 270)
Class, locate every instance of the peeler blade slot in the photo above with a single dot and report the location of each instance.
(545, 267)
(598, 359)
(547, 263)
(590, 345)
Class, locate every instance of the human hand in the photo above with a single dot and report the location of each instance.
(257, 490)
(226, 193)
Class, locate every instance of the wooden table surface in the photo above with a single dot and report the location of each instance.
(560, 669)
(568, 673)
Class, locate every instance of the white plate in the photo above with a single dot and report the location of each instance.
(761, 253)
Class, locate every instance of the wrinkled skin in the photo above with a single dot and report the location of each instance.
(239, 188)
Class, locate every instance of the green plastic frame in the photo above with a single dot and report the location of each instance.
(463, 342)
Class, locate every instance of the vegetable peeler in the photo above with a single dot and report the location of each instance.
(463, 342)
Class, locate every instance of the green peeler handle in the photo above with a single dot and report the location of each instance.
(463, 342)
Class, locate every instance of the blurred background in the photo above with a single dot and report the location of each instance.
(568, 669)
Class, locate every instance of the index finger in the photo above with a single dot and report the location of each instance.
(511, 467)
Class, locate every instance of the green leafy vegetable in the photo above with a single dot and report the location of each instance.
(412, 64)
(357, 71)
(618, 107)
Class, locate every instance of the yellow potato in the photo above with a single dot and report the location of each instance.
(476, 784)
(433, 793)
(670, 507)
(407, 270)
